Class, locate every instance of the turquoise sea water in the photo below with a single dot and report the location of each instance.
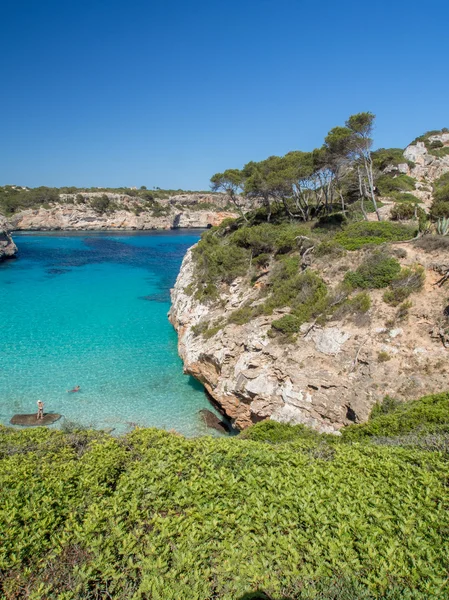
(90, 309)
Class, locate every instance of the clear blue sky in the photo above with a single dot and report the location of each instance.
(166, 93)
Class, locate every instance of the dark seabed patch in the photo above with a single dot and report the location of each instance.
(163, 297)
(55, 271)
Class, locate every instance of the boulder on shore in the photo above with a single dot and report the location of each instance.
(213, 421)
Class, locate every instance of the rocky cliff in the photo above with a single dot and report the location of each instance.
(425, 165)
(124, 212)
(7, 246)
(68, 217)
(332, 374)
(335, 371)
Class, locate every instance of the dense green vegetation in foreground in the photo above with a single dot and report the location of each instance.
(279, 510)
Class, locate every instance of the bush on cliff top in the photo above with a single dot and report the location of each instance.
(267, 238)
(376, 271)
(363, 233)
(217, 262)
(395, 183)
(384, 157)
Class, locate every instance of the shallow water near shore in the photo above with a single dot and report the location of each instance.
(90, 309)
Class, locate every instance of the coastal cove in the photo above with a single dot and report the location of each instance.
(90, 309)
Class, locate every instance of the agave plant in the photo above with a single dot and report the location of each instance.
(443, 226)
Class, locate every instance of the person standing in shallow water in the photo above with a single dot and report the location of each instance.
(40, 410)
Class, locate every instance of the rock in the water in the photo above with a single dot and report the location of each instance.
(213, 421)
(7, 246)
(32, 421)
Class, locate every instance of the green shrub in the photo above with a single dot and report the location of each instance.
(387, 406)
(159, 210)
(439, 209)
(425, 136)
(409, 280)
(268, 238)
(384, 157)
(429, 414)
(200, 327)
(395, 296)
(287, 238)
(100, 204)
(407, 211)
(405, 197)
(259, 238)
(403, 212)
(207, 329)
(334, 221)
(277, 433)
(360, 303)
(154, 515)
(243, 315)
(354, 210)
(288, 324)
(440, 204)
(440, 152)
(217, 262)
(13, 200)
(357, 235)
(262, 260)
(377, 271)
(355, 306)
(403, 310)
(304, 292)
(395, 183)
(440, 186)
(211, 331)
(329, 248)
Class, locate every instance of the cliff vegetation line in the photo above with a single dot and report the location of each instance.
(279, 512)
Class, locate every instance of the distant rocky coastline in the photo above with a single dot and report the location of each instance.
(127, 213)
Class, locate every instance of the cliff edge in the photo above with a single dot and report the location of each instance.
(333, 372)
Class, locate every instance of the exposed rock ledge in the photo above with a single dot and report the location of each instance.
(7, 246)
(329, 378)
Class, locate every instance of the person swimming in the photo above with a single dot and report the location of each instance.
(75, 389)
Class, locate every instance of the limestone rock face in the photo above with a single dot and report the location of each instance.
(427, 167)
(331, 376)
(7, 246)
(73, 217)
